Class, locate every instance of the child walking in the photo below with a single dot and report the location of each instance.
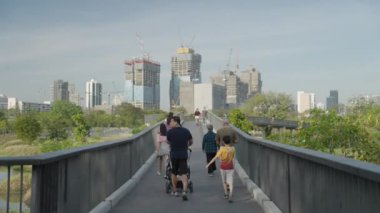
(162, 148)
(226, 154)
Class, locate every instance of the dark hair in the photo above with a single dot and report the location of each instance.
(227, 139)
(177, 119)
(169, 117)
(162, 129)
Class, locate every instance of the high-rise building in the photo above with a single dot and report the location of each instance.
(3, 102)
(60, 90)
(252, 78)
(332, 100)
(305, 101)
(142, 83)
(93, 94)
(185, 67)
(74, 96)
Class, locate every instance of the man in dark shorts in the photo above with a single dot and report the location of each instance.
(179, 139)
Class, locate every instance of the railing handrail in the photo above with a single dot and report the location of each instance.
(61, 154)
(360, 168)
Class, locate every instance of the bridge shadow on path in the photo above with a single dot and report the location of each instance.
(149, 195)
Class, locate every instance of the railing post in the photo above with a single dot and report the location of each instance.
(45, 188)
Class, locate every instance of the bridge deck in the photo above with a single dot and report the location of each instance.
(149, 195)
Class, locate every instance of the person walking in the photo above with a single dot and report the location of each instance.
(226, 154)
(168, 119)
(204, 115)
(179, 139)
(162, 148)
(226, 130)
(197, 115)
(210, 147)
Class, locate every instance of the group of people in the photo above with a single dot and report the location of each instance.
(174, 140)
(198, 115)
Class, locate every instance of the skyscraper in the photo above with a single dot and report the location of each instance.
(60, 90)
(305, 101)
(142, 83)
(185, 67)
(74, 96)
(332, 100)
(93, 94)
(252, 78)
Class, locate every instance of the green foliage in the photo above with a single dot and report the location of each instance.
(27, 127)
(99, 118)
(81, 129)
(270, 105)
(239, 119)
(128, 115)
(329, 131)
(138, 129)
(65, 110)
(52, 145)
(55, 126)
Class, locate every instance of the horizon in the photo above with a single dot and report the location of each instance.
(296, 46)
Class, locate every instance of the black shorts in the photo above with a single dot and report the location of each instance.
(179, 166)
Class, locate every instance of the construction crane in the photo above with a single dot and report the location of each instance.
(142, 46)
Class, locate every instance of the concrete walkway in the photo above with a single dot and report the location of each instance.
(150, 196)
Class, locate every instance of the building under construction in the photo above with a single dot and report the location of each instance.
(186, 68)
(142, 83)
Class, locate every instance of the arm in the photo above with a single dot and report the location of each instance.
(212, 161)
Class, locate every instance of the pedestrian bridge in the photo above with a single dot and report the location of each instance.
(120, 176)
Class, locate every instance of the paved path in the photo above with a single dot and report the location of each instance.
(150, 196)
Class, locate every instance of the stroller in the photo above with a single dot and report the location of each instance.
(168, 177)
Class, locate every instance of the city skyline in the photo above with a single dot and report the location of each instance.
(295, 45)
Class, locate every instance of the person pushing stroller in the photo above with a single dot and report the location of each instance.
(179, 139)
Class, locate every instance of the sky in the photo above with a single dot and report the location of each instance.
(296, 45)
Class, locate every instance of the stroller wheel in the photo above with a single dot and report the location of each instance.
(191, 187)
(167, 188)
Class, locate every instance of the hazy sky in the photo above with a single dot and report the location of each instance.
(305, 45)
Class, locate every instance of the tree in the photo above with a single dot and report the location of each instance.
(81, 129)
(99, 118)
(66, 110)
(270, 105)
(56, 127)
(130, 115)
(27, 127)
(238, 119)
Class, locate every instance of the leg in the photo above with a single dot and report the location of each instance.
(223, 174)
(174, 175)
(213, 165)
(209, 157)
(183, 171)
(230, 181)
(159, 170)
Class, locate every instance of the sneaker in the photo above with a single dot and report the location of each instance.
(210, 174)
(184, 197)
(225, 196)
(175, 194)
(230, 200)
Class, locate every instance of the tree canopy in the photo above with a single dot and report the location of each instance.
(270, 105)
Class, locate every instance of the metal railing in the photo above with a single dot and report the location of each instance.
(302, 180)
(76, 180)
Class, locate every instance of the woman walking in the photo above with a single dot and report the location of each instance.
(162, 148)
